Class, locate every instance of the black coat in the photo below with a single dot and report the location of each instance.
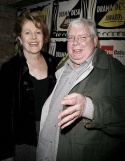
(17, 113)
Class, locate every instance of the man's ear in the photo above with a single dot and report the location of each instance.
(96, 41)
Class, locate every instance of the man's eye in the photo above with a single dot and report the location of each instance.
(70, 38)
(82, 38)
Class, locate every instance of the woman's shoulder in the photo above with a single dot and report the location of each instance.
(11, 62)
(11, 59)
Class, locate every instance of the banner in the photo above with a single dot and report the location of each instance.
(109, 16)
(63, 13)
(44, 7)
(115, 48)
(110, 19)
(58, 48)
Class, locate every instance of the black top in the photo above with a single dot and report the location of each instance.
(41, 90)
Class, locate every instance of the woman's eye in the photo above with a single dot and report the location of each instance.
(27, 33)
(38, 32)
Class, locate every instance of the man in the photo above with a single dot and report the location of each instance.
(84, 118)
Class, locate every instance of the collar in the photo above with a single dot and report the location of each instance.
(100, 59)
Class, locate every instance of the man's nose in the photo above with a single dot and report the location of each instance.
(75, 41)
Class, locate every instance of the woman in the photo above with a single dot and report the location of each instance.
(27, 79)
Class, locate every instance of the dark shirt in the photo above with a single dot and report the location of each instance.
(41, 90)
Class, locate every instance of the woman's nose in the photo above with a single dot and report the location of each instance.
(34, 36)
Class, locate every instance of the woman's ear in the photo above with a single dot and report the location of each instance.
(19, 40)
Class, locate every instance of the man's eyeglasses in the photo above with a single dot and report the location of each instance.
(80, 38)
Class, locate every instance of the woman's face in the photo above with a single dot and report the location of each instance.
(31, 38)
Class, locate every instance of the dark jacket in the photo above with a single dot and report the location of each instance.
(17, 113)
(103, 138)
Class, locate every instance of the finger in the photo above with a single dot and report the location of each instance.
(71, 101)
(66, 112)
(72, 95)
(68, 123)
(69, 118)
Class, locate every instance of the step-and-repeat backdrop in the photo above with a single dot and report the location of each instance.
(108, 14)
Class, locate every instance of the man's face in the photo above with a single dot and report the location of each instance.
(81, 44)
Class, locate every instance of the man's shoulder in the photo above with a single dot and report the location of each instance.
(105, 61)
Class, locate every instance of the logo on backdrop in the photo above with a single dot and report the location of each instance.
(110, 18)
(115, 53)
(62, 16)
(108, 49)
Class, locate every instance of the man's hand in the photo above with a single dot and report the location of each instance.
(76, 105)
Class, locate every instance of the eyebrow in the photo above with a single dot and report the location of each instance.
(78, 35)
